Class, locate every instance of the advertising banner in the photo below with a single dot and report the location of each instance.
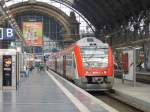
(33, 33)
(128, 64)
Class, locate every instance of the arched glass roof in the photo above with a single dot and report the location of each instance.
(85, 25)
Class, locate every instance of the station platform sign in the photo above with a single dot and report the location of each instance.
(7, 34)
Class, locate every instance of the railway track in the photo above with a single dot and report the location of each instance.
(118, 105)
(140, 77)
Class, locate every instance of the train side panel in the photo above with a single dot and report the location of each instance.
(79, 63)
(110, 62)
(69, 74)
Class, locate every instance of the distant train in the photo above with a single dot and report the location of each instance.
(88, 63)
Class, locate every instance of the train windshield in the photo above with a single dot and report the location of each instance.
(94, 57)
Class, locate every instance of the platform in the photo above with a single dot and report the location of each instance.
(138, 96)
(44, 92)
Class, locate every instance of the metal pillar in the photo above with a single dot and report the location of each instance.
(134, 67)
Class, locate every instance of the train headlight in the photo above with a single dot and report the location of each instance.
(105, 72)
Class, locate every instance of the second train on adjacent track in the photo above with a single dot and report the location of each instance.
(88, 63)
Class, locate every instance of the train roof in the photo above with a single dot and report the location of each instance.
(91, 41)
(87, 41)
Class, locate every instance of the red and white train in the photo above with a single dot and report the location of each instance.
(88, 63)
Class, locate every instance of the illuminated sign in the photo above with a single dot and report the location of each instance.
(7, 34)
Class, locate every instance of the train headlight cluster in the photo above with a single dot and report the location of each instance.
(105, 72)
(87, 72)
(100, 73)
(96, 72)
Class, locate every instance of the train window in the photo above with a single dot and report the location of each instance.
(69, 59)
(74, 63)
(94, 57)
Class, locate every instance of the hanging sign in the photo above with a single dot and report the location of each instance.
(7, 34)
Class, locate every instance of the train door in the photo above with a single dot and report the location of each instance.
(64, 66)
(75, 76)
(7, 70)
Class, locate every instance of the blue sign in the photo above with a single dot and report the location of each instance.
(7, 34)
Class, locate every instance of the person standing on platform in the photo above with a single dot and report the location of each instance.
(27, 70)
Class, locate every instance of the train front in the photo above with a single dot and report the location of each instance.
(97, 62)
